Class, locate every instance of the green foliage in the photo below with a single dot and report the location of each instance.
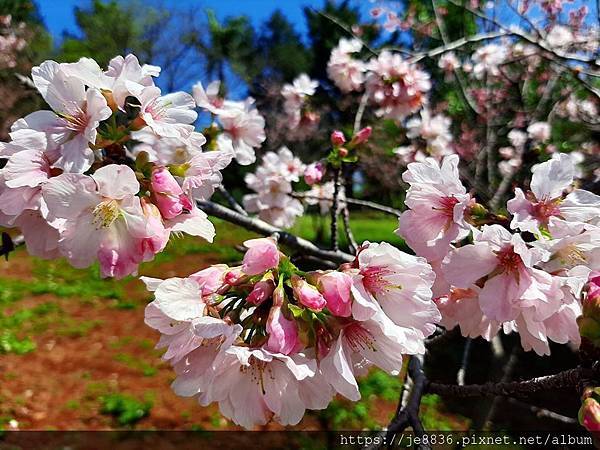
(137, 364)
(10, 343)
(344, 414)
(110, 28)
(125, 409)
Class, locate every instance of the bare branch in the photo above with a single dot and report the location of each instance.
(354, 201)
(569, 379)
(231, 200)
(337, 187)
(302, 245)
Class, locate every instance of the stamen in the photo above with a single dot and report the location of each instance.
(105, 213)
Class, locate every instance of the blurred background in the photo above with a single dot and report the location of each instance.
(74, 351)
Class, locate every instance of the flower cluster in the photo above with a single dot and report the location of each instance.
(272, 183)
(242, 128)
(71, 183)
(430, 135)
(267, 341)
(347, 72)
(503, 279)
(300, 119)
(10, 42)
(396, 87)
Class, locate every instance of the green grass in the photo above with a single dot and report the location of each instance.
(371, 226)
(132, 362)
(343, 414)
(125, 409)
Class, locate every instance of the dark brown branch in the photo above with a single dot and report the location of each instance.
(409, 415)
(569, 379)
(303, 246)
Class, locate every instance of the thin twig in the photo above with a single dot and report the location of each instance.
(543, 412)
(506, 376)
(231, 200)
(360, 112)
(352, 245)
(337, 175)
(462, 372)
(353, 201)
(346, 28)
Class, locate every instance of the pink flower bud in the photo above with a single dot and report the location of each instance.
(337, 138)
(262, 255)
(158, 234)
(314, 173)
(362, 136)
(307, 294)
(211, 278)
(167, 194)
(283, 333)
(589, 414)
(335, 287)
(261, 291)
(343, 152)
(234, 276)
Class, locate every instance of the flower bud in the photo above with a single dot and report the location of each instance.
(262, 290)
(337, 138)
(234, 276)
(343, 152)
(335, 287)
(362, 136)
(261, 256)
(283, 333)
(314, 173)
(167, 194)
(211, 278)
(307, 294)
(589, 321)
(589, 414)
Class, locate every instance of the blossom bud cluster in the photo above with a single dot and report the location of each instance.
(238, 335)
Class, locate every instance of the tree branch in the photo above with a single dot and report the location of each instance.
(354, 201)
(302, 245)
(231, 200)
(569, 379)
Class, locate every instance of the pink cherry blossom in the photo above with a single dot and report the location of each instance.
(550, 179)
(243, 130)
(168, 115)
(208, 98)
(345, 71)
(396, 87)
(77, 114)
(314, 173)
(104, 218)
(437, 201)
(401, 285)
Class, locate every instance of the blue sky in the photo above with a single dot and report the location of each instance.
(58, 15)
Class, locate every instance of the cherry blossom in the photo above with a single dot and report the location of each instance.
(438, 202)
